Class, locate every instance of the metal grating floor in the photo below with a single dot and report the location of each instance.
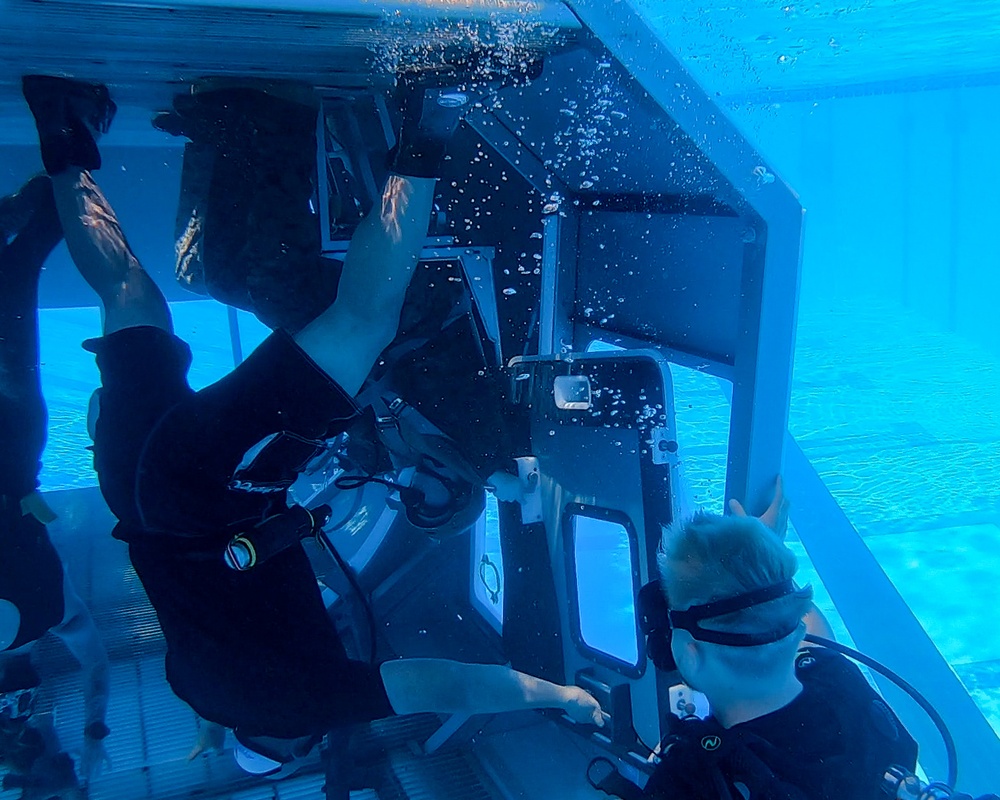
(392, 749)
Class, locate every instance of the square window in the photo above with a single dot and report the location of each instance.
(603, 569)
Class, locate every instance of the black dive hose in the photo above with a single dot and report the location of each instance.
(901, 784)
(359, 481)
(280, 531)
(850, 652)
(352, 578)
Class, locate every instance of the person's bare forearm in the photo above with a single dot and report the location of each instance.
(97, 683)
(346, 339)
(449, 687)
(81, 638)
(385, 247)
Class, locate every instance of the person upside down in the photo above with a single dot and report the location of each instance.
(253, 651)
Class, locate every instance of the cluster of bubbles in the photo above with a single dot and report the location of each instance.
(501, 45)
(586, 138)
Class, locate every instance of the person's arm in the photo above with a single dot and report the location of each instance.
(776, 515)
(776, 518)
(346, 339)
(416, 685)
(79, 634)
(506, 487)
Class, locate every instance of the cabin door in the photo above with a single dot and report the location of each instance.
(603, 479)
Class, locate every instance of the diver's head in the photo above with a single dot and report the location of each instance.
(736, 616)
(18, 681)
(20, 744)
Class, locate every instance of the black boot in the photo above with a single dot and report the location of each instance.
(430, 117)
(68, 115)
(433, 101)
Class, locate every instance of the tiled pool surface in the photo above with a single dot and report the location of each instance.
(901, 423)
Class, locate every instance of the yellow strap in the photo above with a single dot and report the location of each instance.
(35, 505)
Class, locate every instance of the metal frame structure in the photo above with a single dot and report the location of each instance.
(756, 359)
(716, 176)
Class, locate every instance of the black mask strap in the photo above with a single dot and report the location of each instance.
(689, 619)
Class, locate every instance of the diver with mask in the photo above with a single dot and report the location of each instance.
(785, 719)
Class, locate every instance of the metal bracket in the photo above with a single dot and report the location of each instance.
(664, 447)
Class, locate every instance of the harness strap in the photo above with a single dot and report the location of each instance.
(408, 433)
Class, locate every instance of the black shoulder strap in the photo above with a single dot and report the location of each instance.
(411, 437)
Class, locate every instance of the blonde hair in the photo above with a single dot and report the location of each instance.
(708, 557)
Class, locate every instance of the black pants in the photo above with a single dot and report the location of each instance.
(30, 570)
(247, 233)
(23, 417)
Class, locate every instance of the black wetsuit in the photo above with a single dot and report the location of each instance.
(31, 575)
(833, 741)
(250, 650)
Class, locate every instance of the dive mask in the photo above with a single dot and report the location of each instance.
(657, 620)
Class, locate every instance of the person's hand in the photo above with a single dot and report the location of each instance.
(581, 707)
(506, 488)
(93, 759)
(211, 738)
(776, 516)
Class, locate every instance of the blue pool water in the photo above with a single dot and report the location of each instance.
(883, 117)
(893, 423)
